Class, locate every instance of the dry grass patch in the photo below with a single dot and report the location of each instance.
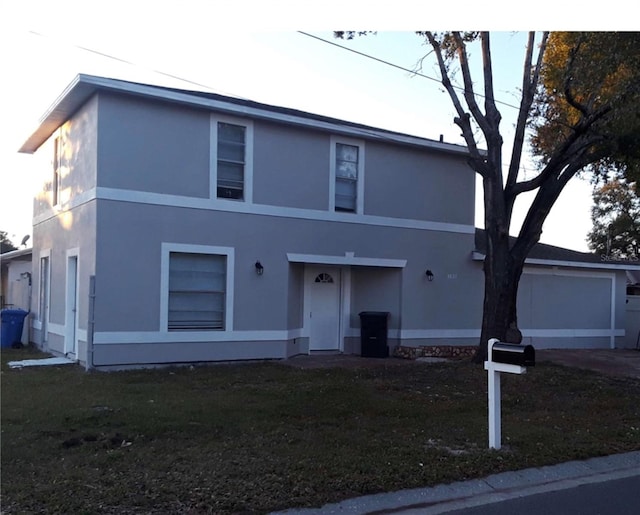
(252, 438)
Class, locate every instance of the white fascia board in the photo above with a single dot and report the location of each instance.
(254, 112)
(83, 86)
(69, 101)
(17, 254)
(604, 265)
(345, 260)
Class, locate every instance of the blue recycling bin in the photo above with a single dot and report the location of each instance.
(12, 325)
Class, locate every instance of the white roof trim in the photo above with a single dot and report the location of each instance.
(15, 254)
(604, 265)
(83, 86)
(346, 260)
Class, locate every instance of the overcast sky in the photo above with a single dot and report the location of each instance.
(249, 49)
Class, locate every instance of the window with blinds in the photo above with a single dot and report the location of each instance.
(197, 284)
(231, 160)
(346, 177)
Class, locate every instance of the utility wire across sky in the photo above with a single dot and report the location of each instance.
(326, 41)
(413, 72)
(306, 34)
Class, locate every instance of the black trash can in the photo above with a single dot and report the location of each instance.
(373, 334)
(12, 323)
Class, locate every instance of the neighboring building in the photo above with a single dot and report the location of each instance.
(570, 299)
(178, 226)
(15, 284)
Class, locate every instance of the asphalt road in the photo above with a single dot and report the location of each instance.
(613, 497)
(607, 485)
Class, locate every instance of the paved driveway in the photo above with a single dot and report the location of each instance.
(617, 362)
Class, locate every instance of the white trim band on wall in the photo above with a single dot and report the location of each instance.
(150, 337)
(215, 204)
(409, 334)
(135, 337)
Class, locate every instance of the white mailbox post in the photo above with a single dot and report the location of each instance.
(509, 358)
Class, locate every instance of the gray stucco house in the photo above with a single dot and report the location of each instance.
(178, 226)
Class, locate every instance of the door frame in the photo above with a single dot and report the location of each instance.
(71, 299)
(44, 297)
(344, 299)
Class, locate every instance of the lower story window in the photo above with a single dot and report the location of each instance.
(197, 284)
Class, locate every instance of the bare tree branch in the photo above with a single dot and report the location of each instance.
(462, 120)
(492, 112)
(531, 228)
(492, 117)
(567, 82)
(574, 145)
(557, 163)
(469, 94)
(530, 77)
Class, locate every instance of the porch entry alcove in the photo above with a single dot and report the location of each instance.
(337, 288)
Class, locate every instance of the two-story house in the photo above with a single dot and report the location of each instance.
(178, 226)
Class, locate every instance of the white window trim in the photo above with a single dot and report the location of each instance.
(167, 248)
(332, 175)
(213, 157)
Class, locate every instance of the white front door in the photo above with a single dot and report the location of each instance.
(323, 308)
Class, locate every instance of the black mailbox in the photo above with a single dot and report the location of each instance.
(510, 354)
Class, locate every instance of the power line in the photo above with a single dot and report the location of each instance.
(194, 83)
(368, 56)
(393, 65)
(413, 72)
(362, 131)
(136, 65)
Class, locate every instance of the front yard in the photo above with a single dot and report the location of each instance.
(252, 438)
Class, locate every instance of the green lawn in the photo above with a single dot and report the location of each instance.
(252, 438)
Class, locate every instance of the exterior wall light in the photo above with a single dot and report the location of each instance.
(259, 268)
(429, 275)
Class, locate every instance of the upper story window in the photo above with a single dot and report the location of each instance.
(347, 163)
(346, 177)
(57, 165)
(231, 162)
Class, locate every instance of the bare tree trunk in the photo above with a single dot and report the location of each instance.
(504, 260)
(499, 314)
